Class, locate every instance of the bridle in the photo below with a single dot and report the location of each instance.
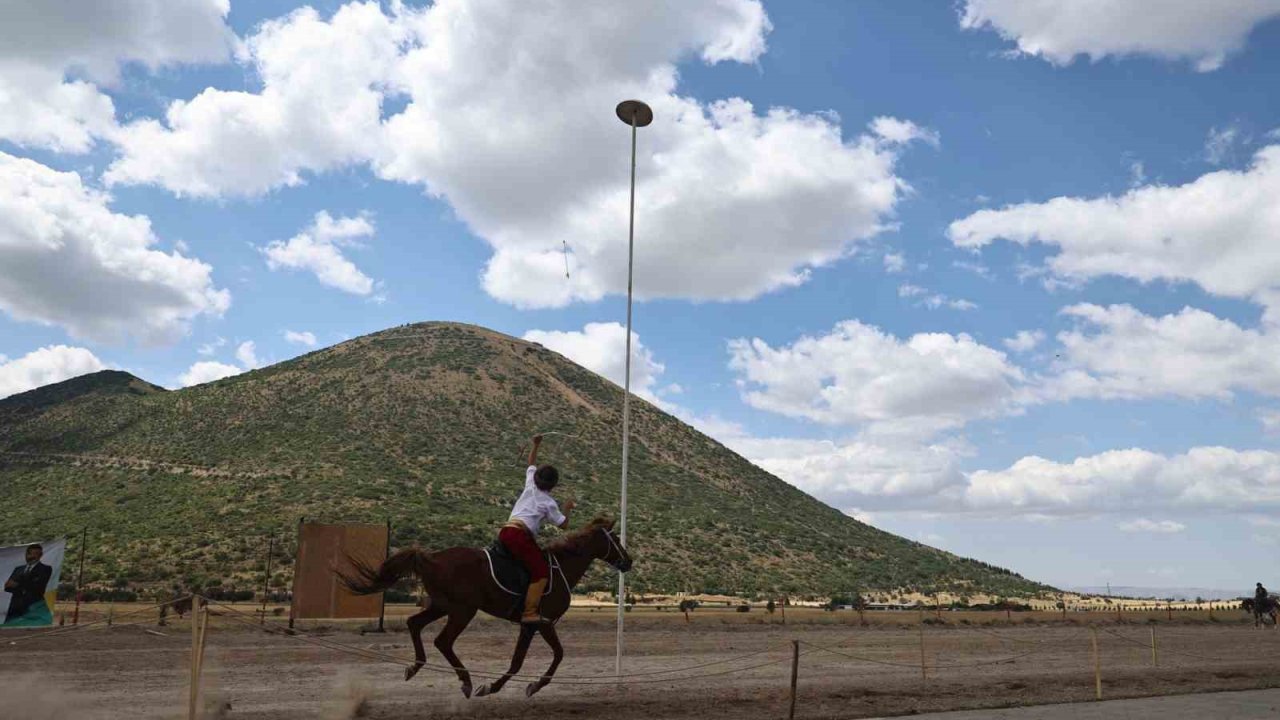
(613, 547)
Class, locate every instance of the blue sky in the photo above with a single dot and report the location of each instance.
(847, 214)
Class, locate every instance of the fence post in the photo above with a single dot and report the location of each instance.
(194, 682)
(75, 616)
(1155, 660)
(266, 580)
(795, 673)
(1097, 664)
(111, 612)
(923, 675)
(199, 631)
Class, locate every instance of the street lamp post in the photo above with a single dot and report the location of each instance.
(637, 115)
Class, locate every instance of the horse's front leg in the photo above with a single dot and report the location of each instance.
(517, 659)
(548, 632)
(457, 622)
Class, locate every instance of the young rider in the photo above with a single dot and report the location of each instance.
(519, 535)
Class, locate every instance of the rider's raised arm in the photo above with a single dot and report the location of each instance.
(533, 452)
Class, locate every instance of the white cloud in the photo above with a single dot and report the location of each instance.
(1119, 352)
(601, 348)
(66, 259)
(247, 354)
(305, 337)
(1220, 146)
(721, 185)
(1025, 341)
(933, 300)
(1143, 525)
(207, 371)
(976, 268)
(1203, 33)
(51, 364)
(1217, 231)
(858, 473)
(210, 348)
(900, 132)
(894, 262)
(1137, 173)
(857, 375)
(1203, 478)
(318, 249)
(41, 43)
(1270, 419)
(319, 109)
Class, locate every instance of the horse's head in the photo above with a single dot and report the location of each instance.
(607, 546)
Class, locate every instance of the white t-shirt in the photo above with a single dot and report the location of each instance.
(534, 506)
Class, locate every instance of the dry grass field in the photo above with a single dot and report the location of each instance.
(720, 664)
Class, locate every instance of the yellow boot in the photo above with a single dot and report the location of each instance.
(532, 599)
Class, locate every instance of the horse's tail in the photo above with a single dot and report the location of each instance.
(366, 579)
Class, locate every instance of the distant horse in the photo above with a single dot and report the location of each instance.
(461, 581)
(1264, 613)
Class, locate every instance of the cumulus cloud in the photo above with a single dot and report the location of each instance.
(1025, 341)
(601, 348)
(66, 259)
(859, 473)
(900, 132)
(305, 337)
(758, 198)
(859, 375)
(1203, 33)
(1143, 525)
(320, 108)
(894, 262)
(318, 250)
(207, 371)
(1120, 352)
(51, 364)
(1203, 478)
(1217, 231)
(42, 43)
(247, 354)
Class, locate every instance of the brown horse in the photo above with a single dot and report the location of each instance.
(459, 582)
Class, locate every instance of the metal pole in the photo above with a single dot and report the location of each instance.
(636, 114)
(626, 398)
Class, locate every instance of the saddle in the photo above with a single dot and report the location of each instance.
(509, 573)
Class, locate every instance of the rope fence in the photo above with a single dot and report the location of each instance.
(202, 609)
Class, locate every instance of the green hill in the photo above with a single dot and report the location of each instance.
(422, 426)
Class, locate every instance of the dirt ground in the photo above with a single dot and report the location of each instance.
(973, 660)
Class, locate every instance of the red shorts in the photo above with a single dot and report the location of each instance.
(521, 544)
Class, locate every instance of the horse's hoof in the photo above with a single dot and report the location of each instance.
(534, 687)
(409, 672)
(466, 691)
(483, 690)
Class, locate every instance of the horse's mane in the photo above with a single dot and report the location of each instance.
(577, 540)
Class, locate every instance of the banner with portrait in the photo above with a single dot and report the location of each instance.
(30, 573)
